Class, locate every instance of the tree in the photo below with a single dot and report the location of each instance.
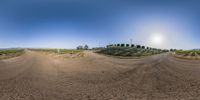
(127, 45)
(172, 50)
(143, 47)
(108, 46)
(138, 46)
(86, 47)
(122, 45)
(79, 47)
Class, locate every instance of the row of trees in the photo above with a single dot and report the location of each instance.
(127, 45)
(80, 47)
(132, 46)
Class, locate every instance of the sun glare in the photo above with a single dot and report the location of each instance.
(157, 39)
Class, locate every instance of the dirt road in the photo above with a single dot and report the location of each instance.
(35, 76)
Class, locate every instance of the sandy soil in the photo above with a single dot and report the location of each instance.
(35, 76)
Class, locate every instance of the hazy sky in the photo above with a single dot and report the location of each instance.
(68, 23)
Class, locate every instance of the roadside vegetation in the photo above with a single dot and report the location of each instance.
(188, 53)
(126, 50)
(9, 53)
(58, 51)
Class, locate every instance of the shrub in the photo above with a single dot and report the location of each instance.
(192, 53)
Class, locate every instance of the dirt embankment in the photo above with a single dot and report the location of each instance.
(35, 76)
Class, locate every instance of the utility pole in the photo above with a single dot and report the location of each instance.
(131, 40)
(99, 44)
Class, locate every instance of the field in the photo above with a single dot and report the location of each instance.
(9, 53)
(190, 54)
(130, 52)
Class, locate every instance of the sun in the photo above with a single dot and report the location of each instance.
(157, 39)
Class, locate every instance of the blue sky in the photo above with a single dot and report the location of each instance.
(69, 23)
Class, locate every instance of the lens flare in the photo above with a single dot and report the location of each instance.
(157, 39)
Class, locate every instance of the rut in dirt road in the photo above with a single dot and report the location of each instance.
(35, 76)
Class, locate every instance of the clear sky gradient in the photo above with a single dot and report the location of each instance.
(69, 23)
